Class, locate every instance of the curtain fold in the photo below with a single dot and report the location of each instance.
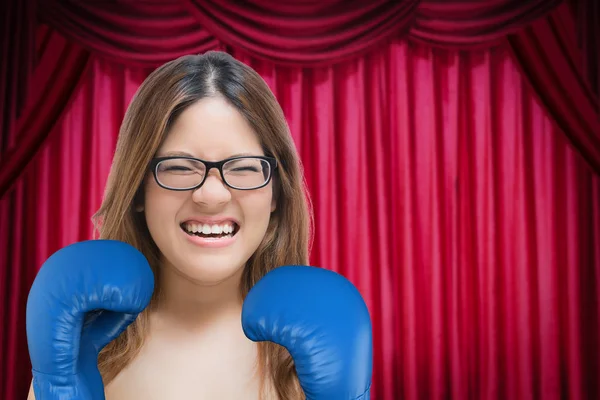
(548, 56)
(56, 75)
(312, 34)
(145, 34)
(441, 188)
(472, 24)
(17, 62)
(587, 21)
(302, 34)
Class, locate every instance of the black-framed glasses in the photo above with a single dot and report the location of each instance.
(187, 173)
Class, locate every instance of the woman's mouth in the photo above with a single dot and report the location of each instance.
(211, 231)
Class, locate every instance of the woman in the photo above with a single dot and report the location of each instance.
(207, 245)
(207, 185)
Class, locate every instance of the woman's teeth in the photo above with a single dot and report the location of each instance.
(223, 230)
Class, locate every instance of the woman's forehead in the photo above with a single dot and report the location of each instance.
(212, 128)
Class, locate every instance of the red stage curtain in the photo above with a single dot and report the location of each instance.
(441, 188)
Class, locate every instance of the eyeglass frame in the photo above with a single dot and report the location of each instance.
(210, 165)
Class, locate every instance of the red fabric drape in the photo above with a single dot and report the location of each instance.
(302, 34)
(17, 61)
(441, 188)
(549, 57)
(60, 67)
(145, 34)
(561, 73)
(587, 21)
(313, 33)
(471, 24)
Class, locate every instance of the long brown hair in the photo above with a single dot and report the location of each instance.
(160, 99)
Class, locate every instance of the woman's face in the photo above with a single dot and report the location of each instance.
(211, 130)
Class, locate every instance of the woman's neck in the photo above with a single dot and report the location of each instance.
(194, 306)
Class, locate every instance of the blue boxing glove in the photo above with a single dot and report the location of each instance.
(83, 297)
(324, 323)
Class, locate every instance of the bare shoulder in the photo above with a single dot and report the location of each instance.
(124, 387)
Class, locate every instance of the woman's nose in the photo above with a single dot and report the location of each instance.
(213, 191)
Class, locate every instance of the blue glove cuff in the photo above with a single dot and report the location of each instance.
(54, 387)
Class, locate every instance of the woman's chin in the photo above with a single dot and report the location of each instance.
(211, 271)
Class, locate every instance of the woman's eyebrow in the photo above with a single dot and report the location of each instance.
(176, 154)
(243, 154)
(186, 154)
